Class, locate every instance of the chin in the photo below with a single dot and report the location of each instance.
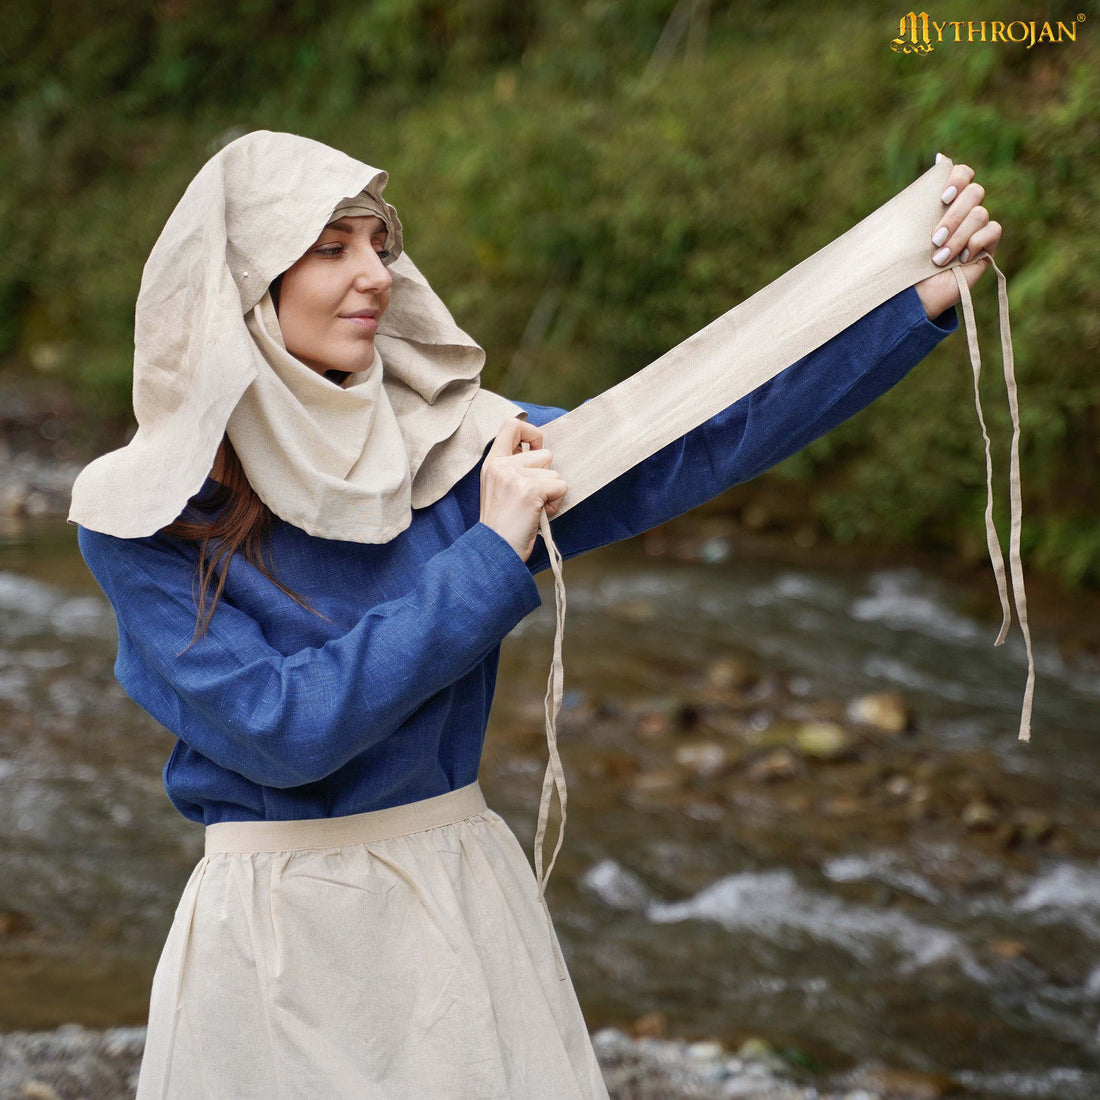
(356, 364)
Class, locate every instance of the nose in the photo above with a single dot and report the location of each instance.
(372, 275)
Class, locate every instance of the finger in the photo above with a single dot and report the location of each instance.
(508, 437)
(533, 459)
(514, 433)
(959, 176)
(971, 197)
(554, 497)
(987, 238)
(976, 219)
(529, 434)
(973, 194)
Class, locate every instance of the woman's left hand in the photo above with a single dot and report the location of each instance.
(963, 231)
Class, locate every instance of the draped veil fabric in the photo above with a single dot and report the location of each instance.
(345, 462)
(350, 462)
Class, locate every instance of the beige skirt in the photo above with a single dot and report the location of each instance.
(400, 954)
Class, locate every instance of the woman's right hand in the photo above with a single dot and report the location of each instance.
(516, 485)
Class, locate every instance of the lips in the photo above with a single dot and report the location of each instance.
(365, 319)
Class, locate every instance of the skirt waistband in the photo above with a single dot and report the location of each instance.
(332, 832)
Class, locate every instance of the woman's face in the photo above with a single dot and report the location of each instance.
(330, 300)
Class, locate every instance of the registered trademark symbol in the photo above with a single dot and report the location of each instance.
(1080, 17)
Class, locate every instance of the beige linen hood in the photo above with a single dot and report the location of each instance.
(345, 462)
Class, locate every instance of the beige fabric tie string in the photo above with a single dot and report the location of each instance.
(1014, 494)
(790, 317)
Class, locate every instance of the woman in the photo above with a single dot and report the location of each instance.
(319, 626)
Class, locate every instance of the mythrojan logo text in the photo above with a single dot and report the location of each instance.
(921, 34)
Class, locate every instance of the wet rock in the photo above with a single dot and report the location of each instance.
(653, 724)
(13, 922)
(754, 1048)
(634, 611)
(1007, 949)
(730, 674)
(703, 809)
(766, 730)
(980, 814)
(805, 536)
(609, 708)
(776, 765)
(36, 504)
(658, 780)
(921, 793)
(825, 741)
(903, 1084)
(689, 716)
(755, 516)
(898, 786)
(704, 759)
(663, 717)
(1033, 824)
(615, 766)
(797, 803)
(886, 712)
(714, 549)
(12, 499)
(653, 1025)
(768, 688)
(728, 725)
(816, 710)
(843, 805)
(759, 1052)
(39, 1090)
(707, 1050)
(926, 770)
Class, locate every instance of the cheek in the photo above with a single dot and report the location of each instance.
(303, 304)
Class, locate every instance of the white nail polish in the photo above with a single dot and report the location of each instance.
(940, 235)
(949, 194)
(941, 256)
(964, 255)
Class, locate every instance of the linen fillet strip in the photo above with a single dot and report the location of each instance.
(738, 352)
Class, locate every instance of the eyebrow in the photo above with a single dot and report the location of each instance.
(343, 227)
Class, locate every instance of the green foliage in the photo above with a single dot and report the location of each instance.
(586, 186)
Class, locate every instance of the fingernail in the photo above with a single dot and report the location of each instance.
(949, 194)
(965, 255)
(940, 235)
(941, 256)
(939, 157)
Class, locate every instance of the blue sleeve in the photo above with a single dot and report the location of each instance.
(285, 720)
(801, 403)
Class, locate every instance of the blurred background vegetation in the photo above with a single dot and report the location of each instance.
(586, 183)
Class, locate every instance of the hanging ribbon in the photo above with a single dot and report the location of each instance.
(789, 318)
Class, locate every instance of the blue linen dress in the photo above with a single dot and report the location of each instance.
(282, 714)
(417, 965)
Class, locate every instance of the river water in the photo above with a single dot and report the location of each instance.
(927, 899)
